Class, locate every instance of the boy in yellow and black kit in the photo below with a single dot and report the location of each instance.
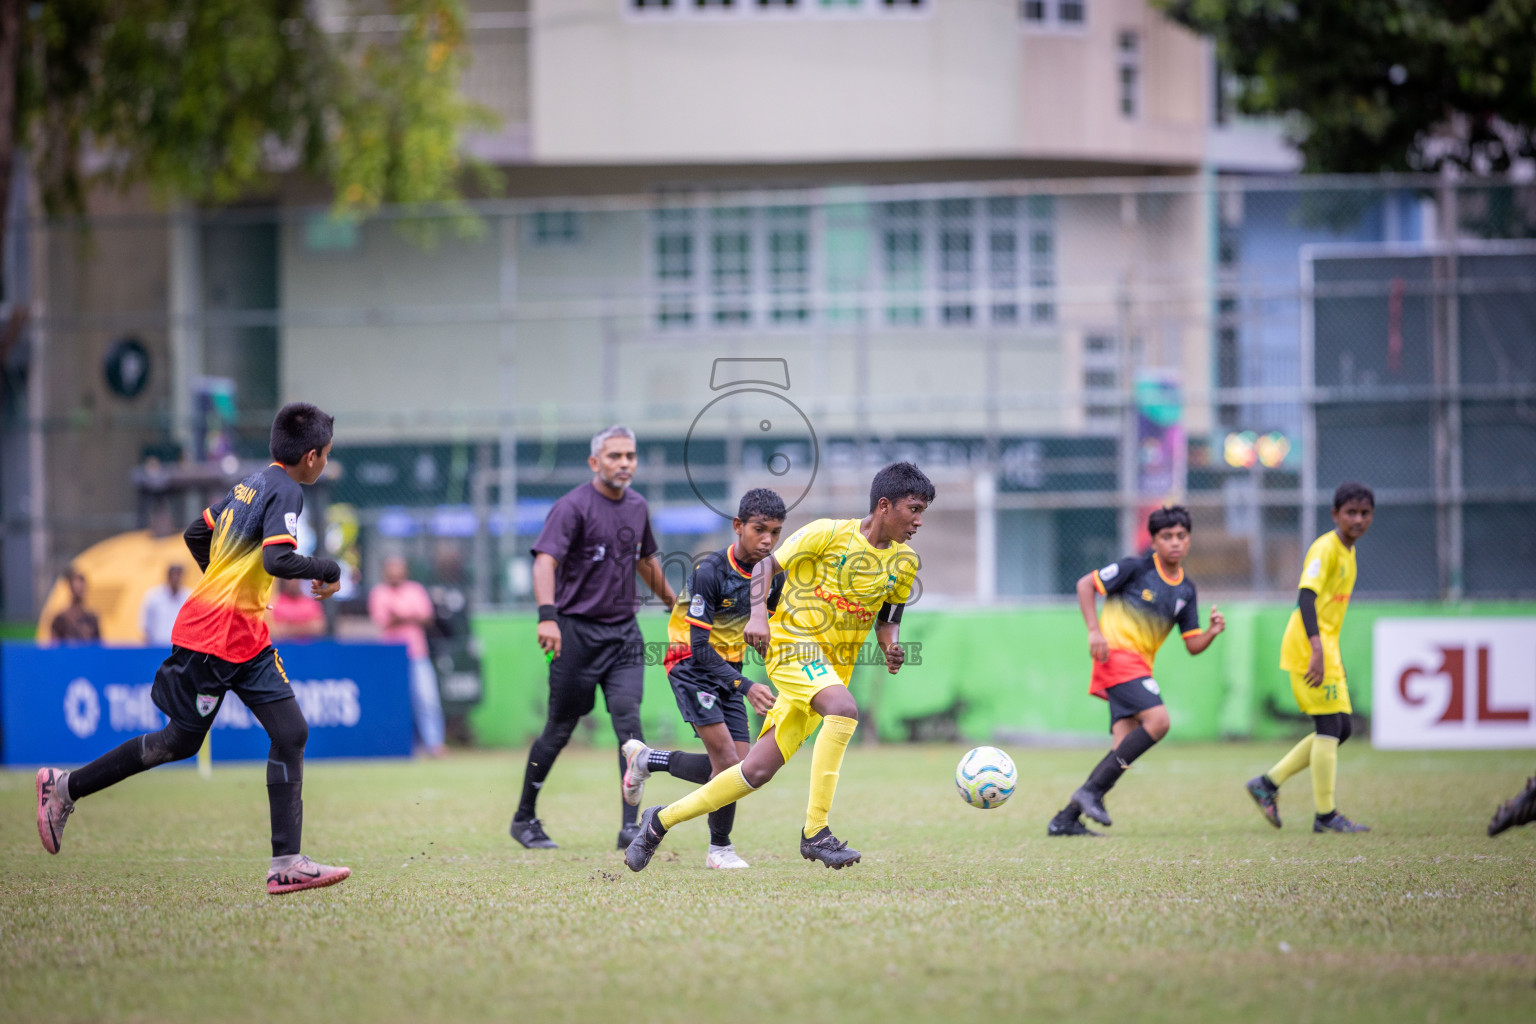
(1310, 653)
(843, 577)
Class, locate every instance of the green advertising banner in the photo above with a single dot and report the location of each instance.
(1004, 675)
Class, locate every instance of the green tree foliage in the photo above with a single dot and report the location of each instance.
(1383, 85)
(205, 100)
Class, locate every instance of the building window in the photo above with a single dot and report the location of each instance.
(1040, 222)
(552, 227)
(901, 246)
(1129, 64)
(789, 264)
(1054, 15)
(730, 266)
(675, 271)
(1101, 375)
(774, 8)
(959, 262)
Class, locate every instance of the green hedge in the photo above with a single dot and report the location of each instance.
(1022, 670)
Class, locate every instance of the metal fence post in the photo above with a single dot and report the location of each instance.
(1307, 351)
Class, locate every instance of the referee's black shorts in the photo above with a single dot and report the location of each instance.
(593, 654)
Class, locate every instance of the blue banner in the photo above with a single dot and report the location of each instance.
(66, 705)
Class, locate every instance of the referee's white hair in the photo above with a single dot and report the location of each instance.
(601, 437)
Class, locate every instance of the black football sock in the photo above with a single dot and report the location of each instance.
(658, 760)
(1108, 771)
(720, 824)
(286, 728)
(694, 768)
(541, 758)
(141, 753)
(286, 803)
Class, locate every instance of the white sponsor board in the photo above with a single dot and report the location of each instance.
(1454, 683)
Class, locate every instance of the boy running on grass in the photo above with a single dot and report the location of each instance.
(220, 643)
(842, 576)
(703, 665)
(1309, 651)
(1144, 598)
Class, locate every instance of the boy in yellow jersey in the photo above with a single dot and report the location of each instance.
(842, 577)
(704, 654)
(1310, 653)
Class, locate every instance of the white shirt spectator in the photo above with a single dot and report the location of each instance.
(158, 613)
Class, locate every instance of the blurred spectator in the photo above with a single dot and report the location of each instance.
(295, 613)
(401, 609)
(75, 623)
(452, 644)
(157, 614)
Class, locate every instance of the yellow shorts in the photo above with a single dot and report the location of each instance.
(1330, 698)
(796, 677)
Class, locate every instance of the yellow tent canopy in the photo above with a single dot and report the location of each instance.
(118, 572)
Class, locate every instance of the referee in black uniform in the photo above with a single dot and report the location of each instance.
(595, 541)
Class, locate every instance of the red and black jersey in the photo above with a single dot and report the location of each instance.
(225, 614)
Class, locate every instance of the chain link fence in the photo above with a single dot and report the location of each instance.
(1059, 356)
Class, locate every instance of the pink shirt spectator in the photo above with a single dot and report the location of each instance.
(297, 615)
(406, 600)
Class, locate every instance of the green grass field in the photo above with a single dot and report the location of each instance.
(1194, 910)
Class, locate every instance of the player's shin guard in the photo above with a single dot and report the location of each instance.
(725, 788)
(1298, 758)
(826, 763)
(1325, 767)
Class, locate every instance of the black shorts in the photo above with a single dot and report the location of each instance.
(596, 654)
(190, 685)
(1131, 698)
(707, 702)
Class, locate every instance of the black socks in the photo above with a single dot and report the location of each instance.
(1108, 771)
(694, 768)
(141, 753)
(720, 823)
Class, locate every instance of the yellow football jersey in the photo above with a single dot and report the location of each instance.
(835, 581)
(1329, 572)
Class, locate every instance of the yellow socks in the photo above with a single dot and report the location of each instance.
(826, 760)
(1293, 762)
(725, 788)
(1325, 767)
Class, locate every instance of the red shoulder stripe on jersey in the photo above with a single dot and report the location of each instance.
(1191, 632)
(208, 518)
(1098, 584)
(696, 622)
(280, 539)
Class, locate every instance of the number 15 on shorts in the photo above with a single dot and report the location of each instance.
(815, 669)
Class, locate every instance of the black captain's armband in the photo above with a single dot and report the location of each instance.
(891, 612)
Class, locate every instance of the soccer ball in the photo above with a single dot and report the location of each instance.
(985, 777)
